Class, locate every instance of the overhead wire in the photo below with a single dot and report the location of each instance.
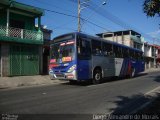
(69, 15)
(53, 5)
(113, 18)
(110, 16)
(116, 20)
(89, 16)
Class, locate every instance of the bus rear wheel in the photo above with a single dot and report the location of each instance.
(97, 76)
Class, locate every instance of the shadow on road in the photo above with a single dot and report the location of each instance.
(105, 80)
(75, 83)
(141, 74)
(126, 105)
(157, 79)
(152, 109)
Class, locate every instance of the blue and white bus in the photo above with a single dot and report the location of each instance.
(80, 57)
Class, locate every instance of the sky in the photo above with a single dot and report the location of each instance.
(115, 15)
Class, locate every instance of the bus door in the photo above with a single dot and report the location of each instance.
(83, 59)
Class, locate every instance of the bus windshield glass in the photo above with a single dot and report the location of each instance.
(63, 52)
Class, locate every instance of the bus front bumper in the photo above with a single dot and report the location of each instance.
(63, 76)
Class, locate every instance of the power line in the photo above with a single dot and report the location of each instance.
(76, 18)
(49, 4)
(113, 18)
(89, 16)
(108, 15)
(116, 19)
(57, 27)
(69, 15)
(96, 25)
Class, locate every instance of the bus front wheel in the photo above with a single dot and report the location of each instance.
(97, 76)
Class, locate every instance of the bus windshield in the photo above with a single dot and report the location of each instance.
(62, 52)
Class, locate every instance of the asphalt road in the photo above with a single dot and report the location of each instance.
(116, 96)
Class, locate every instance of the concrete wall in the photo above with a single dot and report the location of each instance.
(109, 38)
(147, 51)
(125, 39)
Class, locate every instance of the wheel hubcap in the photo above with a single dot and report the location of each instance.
(97, 76)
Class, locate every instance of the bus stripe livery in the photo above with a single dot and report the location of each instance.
(81, 57)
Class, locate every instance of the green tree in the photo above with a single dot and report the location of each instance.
(151, 7)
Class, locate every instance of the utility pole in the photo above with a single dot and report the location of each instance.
(81, 6)
(79, 11)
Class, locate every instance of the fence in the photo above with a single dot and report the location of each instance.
(21, 33)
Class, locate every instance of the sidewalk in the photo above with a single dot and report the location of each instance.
(152, 70)
(21, 81)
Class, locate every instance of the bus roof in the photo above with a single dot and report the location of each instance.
(97, 38)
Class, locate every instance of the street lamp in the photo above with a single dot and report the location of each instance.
(104, 3)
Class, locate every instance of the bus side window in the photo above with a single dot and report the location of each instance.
(137, 55)
(104, 49)
(131, 53)
(107, 49)
(125, 52)
(96, 47)
(120, 52)
(142, 56)
(83, 49)
(117, 51)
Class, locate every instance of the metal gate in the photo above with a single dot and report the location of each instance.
(24, 60)
(0, 61)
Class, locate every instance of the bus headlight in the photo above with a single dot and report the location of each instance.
(71, 69)
(50, 71)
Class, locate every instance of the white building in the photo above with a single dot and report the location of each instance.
(150, 53)
(135, 40)
(128, 37)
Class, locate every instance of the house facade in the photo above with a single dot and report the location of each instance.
(148, 55)
(151, 55)
(128, 37)
(46, 49)
(157, 55)
(20, 41)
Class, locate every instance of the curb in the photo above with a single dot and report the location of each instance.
(151, 70)
(30, 84)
